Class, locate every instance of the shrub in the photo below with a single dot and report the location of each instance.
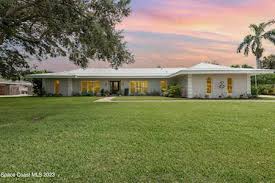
(53, 95)
(264, 79)
(107, 93)
(174, 91)
(57, 95)
(165, 94)
(91, 93)
(251, 96)
(49, 94)
(153, 93)
(102, 92)
(254, 91)
(266, 89)
(98, 94)
(140, 94)
(87, 94)
(119, 93)
(76, 94)
(37, 87)
(228, 97)
(243, 96)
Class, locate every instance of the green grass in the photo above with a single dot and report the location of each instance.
(160, 98)
(82, 141)
(129, 98)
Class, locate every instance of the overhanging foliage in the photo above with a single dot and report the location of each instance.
(79, 29)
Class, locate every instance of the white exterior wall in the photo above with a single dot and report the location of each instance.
(248, 84)
(69, 87)
(189, 86)
(241, 85)
(48, 85)
(194, 86)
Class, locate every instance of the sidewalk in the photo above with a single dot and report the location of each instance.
(105, 99)
(22, 95)
(267, 96)
(109, 100)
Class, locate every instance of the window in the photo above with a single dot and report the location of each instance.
(229, 85)
(83, 86)
(56, 86)
(97, 86)
(209, 86)
(138, 87)
(163, 85)
(90, 86)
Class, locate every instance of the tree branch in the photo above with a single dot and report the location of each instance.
(12, 11)
(26, 39)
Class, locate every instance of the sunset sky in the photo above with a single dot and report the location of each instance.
(180, 33)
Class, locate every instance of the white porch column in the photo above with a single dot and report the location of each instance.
(43, 83)
(248, 84)
(70, 87)
(189, 86)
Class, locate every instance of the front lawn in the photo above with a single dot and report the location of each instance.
(82, 141)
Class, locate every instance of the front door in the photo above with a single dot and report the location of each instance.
(115, 87)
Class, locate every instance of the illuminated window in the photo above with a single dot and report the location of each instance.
(96, 86)
(138, 86)
(56, 86)
(132, 87)
(229, 85)
(209, 85)
(83, 86)
(163, 85)
(90, 86)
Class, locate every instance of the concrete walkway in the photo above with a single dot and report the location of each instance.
(23, 95)
(109, 100)
(105, 99)
(193, 101)
(267, 96)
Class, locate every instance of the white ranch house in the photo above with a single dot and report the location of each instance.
(200, 81)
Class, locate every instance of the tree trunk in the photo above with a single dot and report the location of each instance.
(258, 63)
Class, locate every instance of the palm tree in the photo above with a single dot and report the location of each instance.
(254, 41)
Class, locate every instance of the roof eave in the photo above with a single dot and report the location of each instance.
(41, 76)
(96, 77)
(182, 72)
(255, 72)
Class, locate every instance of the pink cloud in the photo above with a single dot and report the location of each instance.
(177, 33)
(190, 17)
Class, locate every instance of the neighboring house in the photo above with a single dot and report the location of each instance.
(200, 81)
(8, 87)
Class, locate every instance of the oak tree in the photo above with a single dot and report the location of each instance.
(83, 30)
